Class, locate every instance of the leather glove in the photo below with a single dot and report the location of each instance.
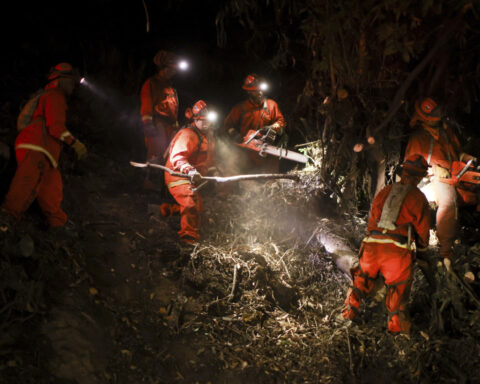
(195, 176)
(235, 135)
(149, 129)
(441, 172)
(80, 149)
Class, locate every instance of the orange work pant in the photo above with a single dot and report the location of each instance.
(190, 210)
(395, 264)
(35, 178)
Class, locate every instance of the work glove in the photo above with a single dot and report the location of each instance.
(269, 132)
(80, 149)
(235, 135)
(441, 172)
(149, 129)
(195, 176)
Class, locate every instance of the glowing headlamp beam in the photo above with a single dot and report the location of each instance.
(212, 116)
(183, 65)
(263, 86)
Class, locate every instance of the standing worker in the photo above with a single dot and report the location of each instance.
(38, 147)
(399, 216)
(256, 113)
(439, 145)
(192, 153)
(159, 109)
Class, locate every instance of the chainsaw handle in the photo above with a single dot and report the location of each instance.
(465, 169)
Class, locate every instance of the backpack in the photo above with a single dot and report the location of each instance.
(25, 117)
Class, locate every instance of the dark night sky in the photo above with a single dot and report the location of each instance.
(37, 35)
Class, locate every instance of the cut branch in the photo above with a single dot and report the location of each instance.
(219, 179)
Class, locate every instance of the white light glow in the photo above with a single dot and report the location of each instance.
(183, 65)
(263, 86)
(83, 80)
(429, 192)
(212, 116)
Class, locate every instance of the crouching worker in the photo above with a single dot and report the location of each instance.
(399, 222)
(191, 152)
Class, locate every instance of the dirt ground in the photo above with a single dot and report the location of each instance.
(117, 299)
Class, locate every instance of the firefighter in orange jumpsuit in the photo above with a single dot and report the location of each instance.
(38, 147)
(159, 109)
(192, 153)
(439, 145)
(399, 216)
(254, 113)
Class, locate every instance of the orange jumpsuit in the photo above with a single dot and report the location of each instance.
(189, 149)
(389, 254)
(37, 150)
(248, 115)
(440, 146)
(159, 105)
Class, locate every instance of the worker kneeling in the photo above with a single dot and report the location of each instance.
(399, 222)
(191, 152)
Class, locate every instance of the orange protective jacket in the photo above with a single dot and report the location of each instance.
(247, 115)
(47, 130)
(159, 100)
(440, 146)
(189, 148)
(415, 210)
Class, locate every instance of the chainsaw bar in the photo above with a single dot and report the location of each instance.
(264, 149)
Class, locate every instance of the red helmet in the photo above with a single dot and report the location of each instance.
(165, 59)
(415, 165)
(60, 70)
(253, 83)
(428, 110)
(200, 110)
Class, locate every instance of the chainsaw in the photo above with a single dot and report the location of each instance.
(463, 176)
(255, 141)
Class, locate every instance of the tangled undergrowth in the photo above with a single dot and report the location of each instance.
(258, 299)
(283, 298)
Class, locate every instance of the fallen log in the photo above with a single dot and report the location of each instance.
(336, 246)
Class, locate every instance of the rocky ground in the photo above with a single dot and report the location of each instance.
(117, 299)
